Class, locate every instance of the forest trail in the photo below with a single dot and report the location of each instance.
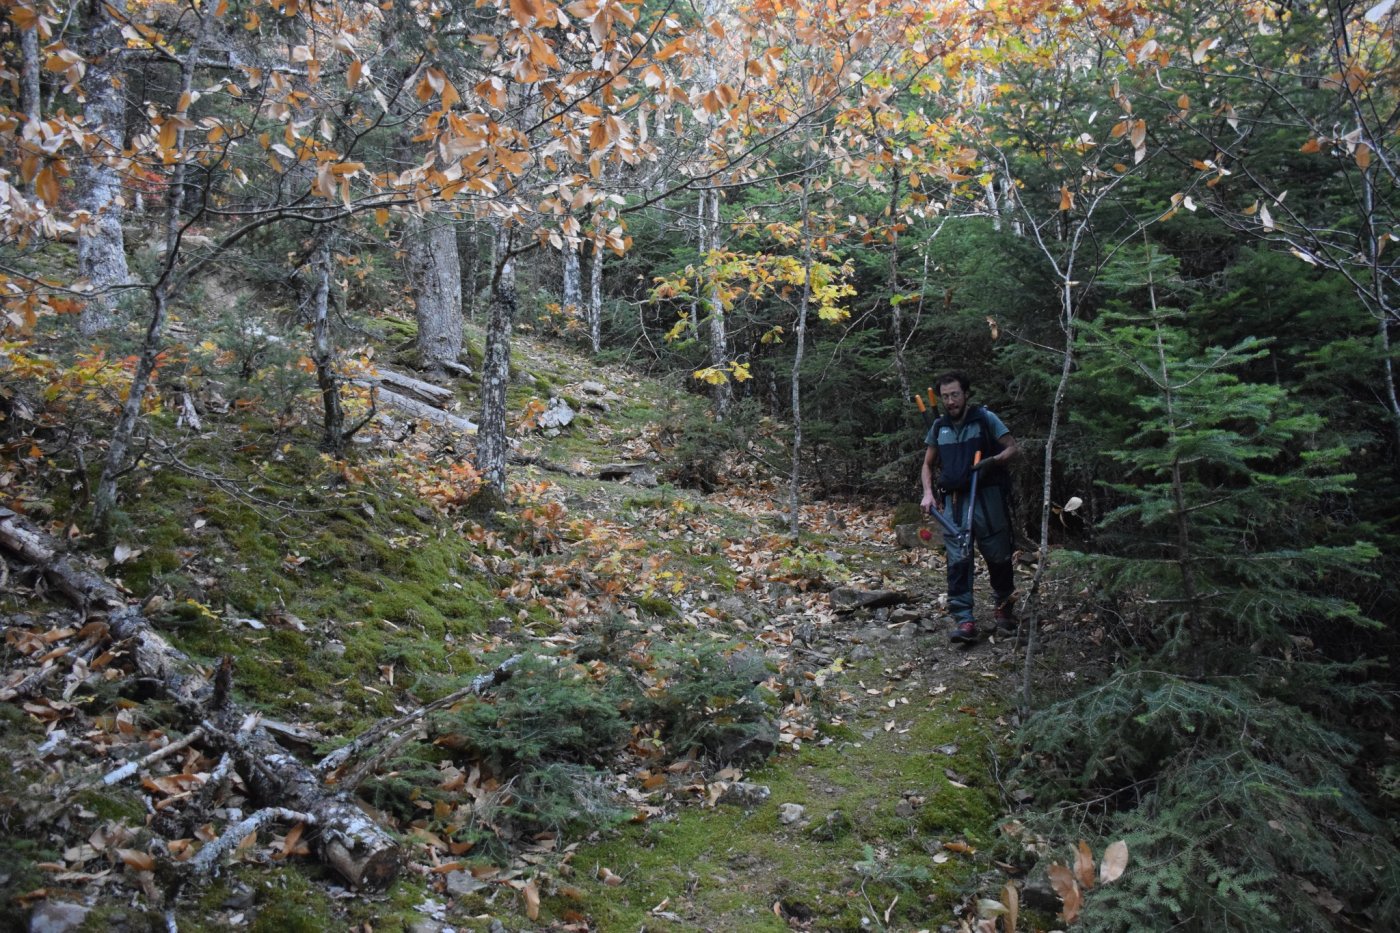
(869, 799)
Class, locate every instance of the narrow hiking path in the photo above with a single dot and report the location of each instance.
(879, 809)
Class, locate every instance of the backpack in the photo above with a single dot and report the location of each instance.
(956, 459)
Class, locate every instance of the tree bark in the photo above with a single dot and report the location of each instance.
(29, 52)
(723, 395)
(595, 298)
(323, 346)
(572, 286)
(492, 444)
(435, 274)
(795, 480)
(101, 252)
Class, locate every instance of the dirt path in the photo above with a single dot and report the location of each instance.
(880, 816)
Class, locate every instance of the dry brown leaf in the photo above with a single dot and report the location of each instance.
(136, 860)
(1115, 860)
(1084, 865)
(1062, 880)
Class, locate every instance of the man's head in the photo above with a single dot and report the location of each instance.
(954, 389)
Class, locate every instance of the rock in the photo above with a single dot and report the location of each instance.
(873, 635)
(592, 387)
(744, 794)
(644, 477)
(463, 884)
(557, 415)
(790, 813)
(836, 826)
(862, 653)
(904, 810)
(756, 744)
(849, 599)
(57, 917)
(905, 614)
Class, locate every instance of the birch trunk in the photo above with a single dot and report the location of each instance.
(572, 291)
(492, 445)
(29, 52)
(795, 480)
(723, 394)
(323, 348)
(595, 299)
(101, 252)
(435, 274)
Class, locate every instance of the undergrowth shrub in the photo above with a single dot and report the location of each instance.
(1236, 807)
(543, 733)
(705, 698)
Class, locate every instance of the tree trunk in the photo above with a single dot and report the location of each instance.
(492, 445)
(114, 464)
(896, 306)
(101, 252)
(323, 346)
(595, 298)
(723, 395)
(29, 52)
(572, 290)
(795, 480)
(435, 274)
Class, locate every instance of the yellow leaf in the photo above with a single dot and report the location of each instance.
(381, 215)
(46, 185)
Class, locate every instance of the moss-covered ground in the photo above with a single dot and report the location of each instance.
(352, 589)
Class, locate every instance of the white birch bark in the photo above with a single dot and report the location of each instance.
(492, 445)
(101, 252)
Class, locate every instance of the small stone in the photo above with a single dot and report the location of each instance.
(904, 810)
(790, 813)
(57, 917)
(463, 884)
(744, 794)
(836, 825)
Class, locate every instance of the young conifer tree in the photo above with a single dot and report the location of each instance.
(1219, 749)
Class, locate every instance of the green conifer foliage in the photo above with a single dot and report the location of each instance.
(1218, 752)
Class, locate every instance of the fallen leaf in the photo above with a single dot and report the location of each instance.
(1062, 880)
(1115, 860)
(1084, 865)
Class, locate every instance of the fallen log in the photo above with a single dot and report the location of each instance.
(346, 838)
(426, 412)
(417, 389)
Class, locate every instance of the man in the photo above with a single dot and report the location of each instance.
(953, 442)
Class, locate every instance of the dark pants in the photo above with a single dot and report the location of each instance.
(991, 529)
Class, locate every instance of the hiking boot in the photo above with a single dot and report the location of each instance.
(1005, 617)
(964, 632)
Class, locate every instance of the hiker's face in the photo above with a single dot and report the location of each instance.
(954, 399)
